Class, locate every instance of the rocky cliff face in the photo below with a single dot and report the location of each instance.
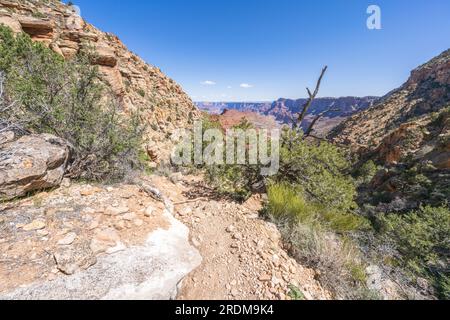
(163, 103)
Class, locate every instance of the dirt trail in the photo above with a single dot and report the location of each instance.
(242, 255)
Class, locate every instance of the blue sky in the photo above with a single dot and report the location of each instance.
(260, 50)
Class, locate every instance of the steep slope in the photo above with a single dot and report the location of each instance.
(426, 91)
(408, 135)
(138, 85)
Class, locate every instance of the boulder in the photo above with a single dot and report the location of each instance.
(113, 77)
(150, 271)
(31, 163)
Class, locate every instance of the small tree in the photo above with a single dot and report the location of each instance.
(304, 110)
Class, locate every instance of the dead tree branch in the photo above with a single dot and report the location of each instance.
(311, 97)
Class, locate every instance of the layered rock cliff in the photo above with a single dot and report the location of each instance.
(138, 85)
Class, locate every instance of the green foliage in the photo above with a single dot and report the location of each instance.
(366, 172)
(320, 169)
(295, 293)
(235, 180)
(422, 238)
(141, 92)
(67, 99)
(287, 202)
(38, 15)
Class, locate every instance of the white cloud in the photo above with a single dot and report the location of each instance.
(229, 87)
(246, 85)
(208, 83)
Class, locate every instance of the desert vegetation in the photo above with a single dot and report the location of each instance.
(320, 201)
(43, 93)
(364, 210)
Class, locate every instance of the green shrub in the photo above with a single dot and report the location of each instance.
(141, 92)
(67, 99)
(288, 202)
(366, 172)
(422, 239)
(285, 202)
(312, 230)
(337, 261)
(295, 293)
(234, 180)
(320, 169)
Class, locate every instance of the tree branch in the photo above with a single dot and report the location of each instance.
(310, 129)
(312, 96)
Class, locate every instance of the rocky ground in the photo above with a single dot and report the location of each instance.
(92, 242)
(122, 240)
(243, 257)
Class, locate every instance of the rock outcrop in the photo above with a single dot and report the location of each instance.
(31, 163)
(89, 243)
(163, 104)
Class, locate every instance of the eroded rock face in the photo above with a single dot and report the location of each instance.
(31, 163)
(37, 28)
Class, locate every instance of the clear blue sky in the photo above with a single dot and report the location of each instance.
(277, 47)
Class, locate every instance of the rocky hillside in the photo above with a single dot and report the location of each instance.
(163, 103)
(408, 134)
(427, 91)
